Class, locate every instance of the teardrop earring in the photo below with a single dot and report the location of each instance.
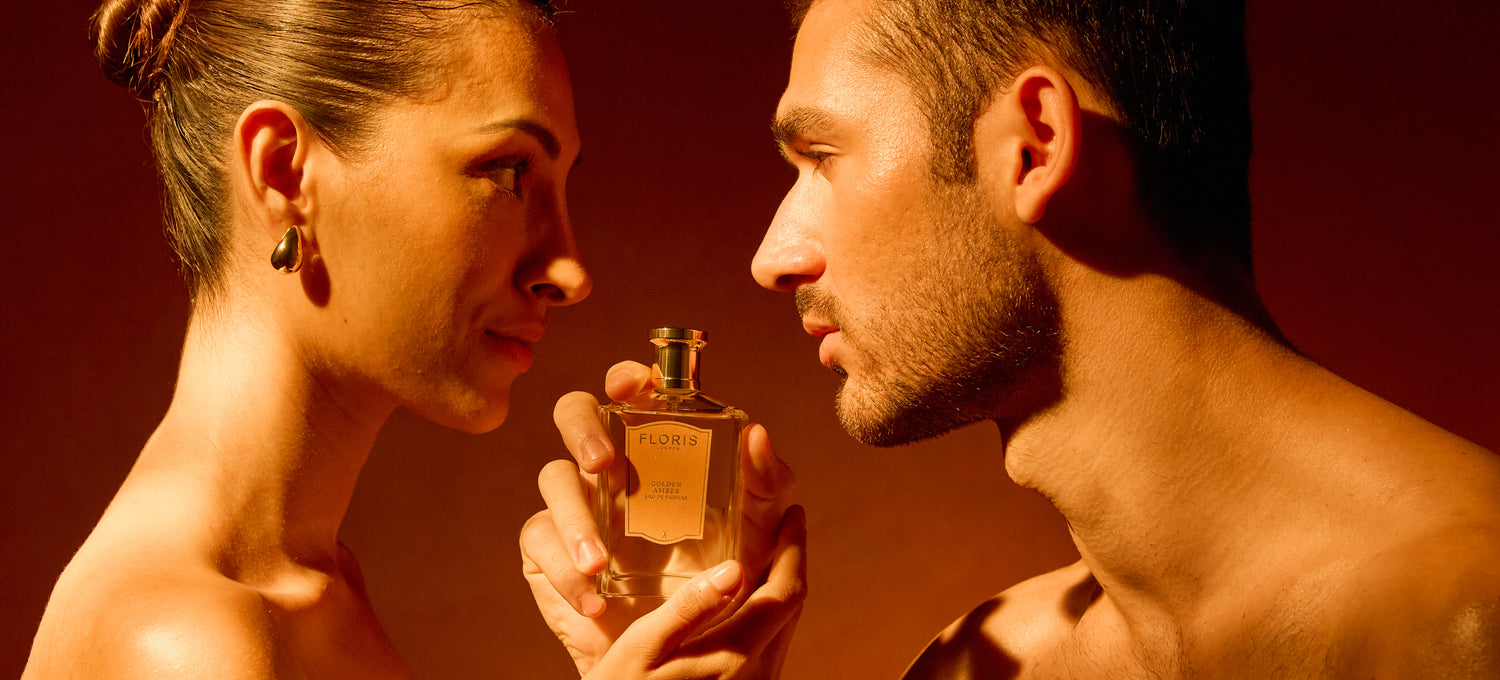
(287, 257)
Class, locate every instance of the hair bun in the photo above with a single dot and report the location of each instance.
(132, 39)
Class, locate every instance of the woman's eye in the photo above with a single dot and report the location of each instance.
(507, 175)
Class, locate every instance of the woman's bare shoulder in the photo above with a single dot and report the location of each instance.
(121, 612)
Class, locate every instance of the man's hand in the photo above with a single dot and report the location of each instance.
(562, 552)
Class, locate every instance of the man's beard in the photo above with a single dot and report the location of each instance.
(975, 336)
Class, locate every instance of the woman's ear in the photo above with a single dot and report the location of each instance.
(1028, 140)
(271, 147)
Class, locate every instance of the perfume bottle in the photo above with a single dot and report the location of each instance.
(669, 505)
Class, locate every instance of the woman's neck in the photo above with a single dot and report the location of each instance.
(274, 444)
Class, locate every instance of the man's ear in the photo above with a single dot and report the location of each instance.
(271, 144)
(1028, 139)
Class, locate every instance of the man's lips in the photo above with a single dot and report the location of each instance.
(817, 328)
(826, 349)
(829, 333)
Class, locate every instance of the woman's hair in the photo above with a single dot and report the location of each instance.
(196, 65)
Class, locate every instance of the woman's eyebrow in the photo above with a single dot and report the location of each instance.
(537, 130)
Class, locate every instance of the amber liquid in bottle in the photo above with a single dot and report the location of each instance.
(669, 505)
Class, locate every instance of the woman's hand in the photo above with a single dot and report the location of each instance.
(562, 551)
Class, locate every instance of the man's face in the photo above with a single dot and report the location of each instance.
(928, 298)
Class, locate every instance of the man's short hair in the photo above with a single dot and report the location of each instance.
(1173, 71)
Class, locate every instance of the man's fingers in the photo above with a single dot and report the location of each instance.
(656, 635)
(626, 379)
(767, 478)
(577, 418)
(568, 504)
(775, 653)
(776, 605)
(768, 486)
(542, 551)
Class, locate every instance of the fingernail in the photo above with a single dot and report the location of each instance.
(725, 577)
(589, 554)
(594, 450)
(590, 604)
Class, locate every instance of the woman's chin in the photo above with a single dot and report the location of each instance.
(489, 422)
(487, 419)
(475, 415)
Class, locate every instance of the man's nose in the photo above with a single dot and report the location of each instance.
(790, 255)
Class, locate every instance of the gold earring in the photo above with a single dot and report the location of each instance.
(287, 257)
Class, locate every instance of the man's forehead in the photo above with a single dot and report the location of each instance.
(827, 69)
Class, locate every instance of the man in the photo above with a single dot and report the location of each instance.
(1037, 214)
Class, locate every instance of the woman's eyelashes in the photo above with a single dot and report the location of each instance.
(507, 173)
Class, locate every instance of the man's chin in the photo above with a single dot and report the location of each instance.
(889, 422)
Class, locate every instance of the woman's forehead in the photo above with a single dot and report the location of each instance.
(500, 55)
(492, 69)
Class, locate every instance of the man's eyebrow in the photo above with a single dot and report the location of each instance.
(799, 122)
(537, 130)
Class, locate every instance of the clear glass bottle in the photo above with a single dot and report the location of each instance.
(669, 505)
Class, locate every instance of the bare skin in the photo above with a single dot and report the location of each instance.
(1240, 511)
(194, 572)
(1330, 535)
(219, 556)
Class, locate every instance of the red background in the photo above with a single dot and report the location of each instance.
(1374, 188)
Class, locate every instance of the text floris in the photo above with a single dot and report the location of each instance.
(669, 439)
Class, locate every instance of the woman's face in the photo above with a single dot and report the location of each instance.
(447, 238)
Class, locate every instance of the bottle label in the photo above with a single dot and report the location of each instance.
(668, 481)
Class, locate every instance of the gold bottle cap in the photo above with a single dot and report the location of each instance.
(677, 356)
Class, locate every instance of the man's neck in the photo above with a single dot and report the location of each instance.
(1162, 453)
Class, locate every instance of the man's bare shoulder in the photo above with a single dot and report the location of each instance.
(998, 638)
(129, 619)
(1426, 608)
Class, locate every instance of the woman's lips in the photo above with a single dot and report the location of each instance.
(527, 332)
(514, 342)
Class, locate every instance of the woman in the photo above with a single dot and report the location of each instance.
(368, 201)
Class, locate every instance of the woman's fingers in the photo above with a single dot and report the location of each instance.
(567, 549)
(577, 415)
(572, 517)
(653, 638)
(627, 379)
(577, 418)
(544, 552)
(752, 642)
